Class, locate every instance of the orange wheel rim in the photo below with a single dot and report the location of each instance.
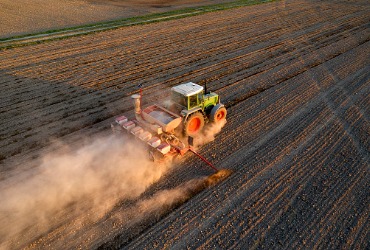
(220, 115)
(194, 125)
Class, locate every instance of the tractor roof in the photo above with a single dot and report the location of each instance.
(188, 89)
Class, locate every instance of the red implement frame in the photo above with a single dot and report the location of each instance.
(203, 159)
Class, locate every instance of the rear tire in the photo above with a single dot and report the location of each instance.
(218, 113)
(194, 124)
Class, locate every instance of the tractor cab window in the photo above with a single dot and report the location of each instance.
(200, 97)
(179, 99)
(193, 101)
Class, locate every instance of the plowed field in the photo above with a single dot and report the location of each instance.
(29, 16)
(295, 77)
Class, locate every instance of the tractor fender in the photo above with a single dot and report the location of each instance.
(187, 113)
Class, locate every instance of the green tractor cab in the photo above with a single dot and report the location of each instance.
(197, 107)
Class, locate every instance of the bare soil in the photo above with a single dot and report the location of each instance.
(29, 16)
(295, 78)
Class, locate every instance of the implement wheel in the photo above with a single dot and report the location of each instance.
(218, 113)
(194, 124)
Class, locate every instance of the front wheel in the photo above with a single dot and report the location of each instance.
(194, 124)
(218, 113)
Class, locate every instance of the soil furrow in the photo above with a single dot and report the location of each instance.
(295, 80)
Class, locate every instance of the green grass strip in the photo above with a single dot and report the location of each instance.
(58, 34)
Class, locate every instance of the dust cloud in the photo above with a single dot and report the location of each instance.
(161, 202)
(149, 210)
(165, 200)
(76, 187)
(209, 132)
(69, 183)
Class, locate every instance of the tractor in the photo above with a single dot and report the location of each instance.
(164, 127)
(196, 106)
